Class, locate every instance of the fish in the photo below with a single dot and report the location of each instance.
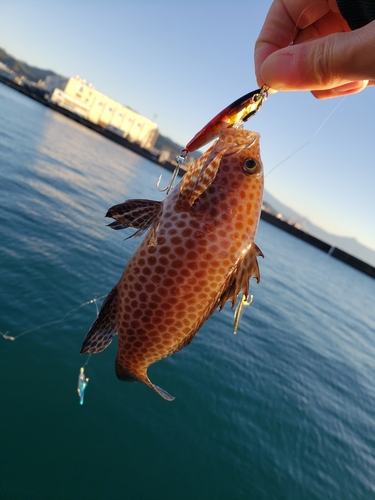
(197, 254)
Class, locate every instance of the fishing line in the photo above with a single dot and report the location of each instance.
(311, 138)
(82, 380)
(54, 322)
(296, 28)
(293, 37)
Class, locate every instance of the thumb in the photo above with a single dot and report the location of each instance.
(324, 63)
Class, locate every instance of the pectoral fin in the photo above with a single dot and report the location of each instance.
(138, 214)
(103, 329)
(238, 281)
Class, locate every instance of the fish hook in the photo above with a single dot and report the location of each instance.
(180, 160)
(239, 310)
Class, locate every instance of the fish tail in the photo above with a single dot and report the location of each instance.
(164, 394)
(125, 375)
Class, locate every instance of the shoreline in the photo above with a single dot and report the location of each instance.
(334, 252)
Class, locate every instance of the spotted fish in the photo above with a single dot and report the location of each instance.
(198, 253)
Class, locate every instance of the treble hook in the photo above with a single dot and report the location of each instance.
(239, 310)
(180, 160)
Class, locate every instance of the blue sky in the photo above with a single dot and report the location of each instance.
(180, 63)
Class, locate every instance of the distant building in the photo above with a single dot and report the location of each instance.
(82, 98)
(70, 103)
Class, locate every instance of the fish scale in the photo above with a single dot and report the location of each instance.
(198, 253)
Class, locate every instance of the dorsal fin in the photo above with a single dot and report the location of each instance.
(204, 179)
(103, 329)
(189, 179)
(138, 214)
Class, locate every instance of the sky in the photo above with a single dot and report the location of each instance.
(181, 62)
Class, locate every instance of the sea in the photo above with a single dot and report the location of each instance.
(284, 409)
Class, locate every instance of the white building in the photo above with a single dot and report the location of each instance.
(70, 103)
(81, 97)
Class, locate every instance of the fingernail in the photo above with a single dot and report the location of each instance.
(351, 87)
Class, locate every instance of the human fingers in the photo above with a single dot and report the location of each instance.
(275, 34)
(324, 63)
(283, 22)
(326, 25)
(341, 90)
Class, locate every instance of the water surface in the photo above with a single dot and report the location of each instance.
(283, 410)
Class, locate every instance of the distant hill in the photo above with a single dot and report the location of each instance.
(22, 69)
(163, 142)
(349, 245)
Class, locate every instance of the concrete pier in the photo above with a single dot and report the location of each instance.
(337, 253)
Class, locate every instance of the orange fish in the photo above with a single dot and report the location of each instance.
(198, 253)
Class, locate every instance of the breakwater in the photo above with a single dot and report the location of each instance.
(266, 216)
(335, 252)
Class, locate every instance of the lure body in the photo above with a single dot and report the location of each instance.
(82, 384)
(239, 111)
(198, 253)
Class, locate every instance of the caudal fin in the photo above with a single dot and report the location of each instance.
(141, 376)
(164, 394)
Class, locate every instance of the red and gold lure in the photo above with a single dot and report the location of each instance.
(236, 113)
(198, 252)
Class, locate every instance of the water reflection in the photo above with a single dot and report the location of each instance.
(77, 168)
(70, 152)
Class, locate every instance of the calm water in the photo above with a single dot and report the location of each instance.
(283, 410)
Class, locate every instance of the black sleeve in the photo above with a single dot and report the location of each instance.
(357, 13)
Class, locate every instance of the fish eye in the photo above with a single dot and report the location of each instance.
(256, 97)
(251, 166)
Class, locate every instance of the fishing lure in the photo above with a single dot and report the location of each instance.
(82, 384)
(232, 116)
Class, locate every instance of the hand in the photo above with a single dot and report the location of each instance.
(307, 45)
